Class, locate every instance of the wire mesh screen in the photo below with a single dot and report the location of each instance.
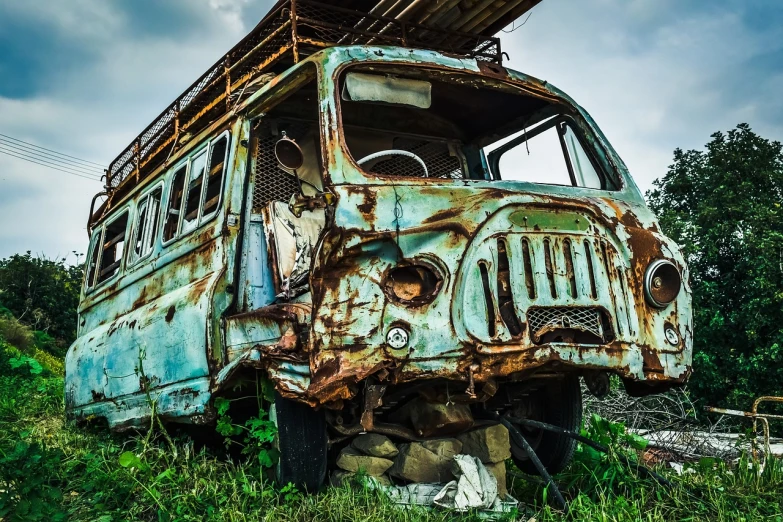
(270, 182)
(440, 159)
(569, 318)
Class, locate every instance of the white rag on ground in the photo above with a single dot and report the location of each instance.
(475, 488)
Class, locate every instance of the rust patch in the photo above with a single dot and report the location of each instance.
(651, 361)
(368, 207)
(449, 213)
(493, 70)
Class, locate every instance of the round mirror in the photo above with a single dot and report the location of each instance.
(288, 153)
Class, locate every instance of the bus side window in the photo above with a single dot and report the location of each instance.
(94, 258)
(217, 163)
(153, 219)
(113, 247)
(138, 231)
(197, 166)
(144, 231)
(171, 226)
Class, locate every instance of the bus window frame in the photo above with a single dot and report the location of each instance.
(205, 148)
(211, 145)
(129, 208)
(96, 239)
(131, 262)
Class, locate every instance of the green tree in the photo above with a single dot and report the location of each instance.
(42, 294)
(723, 206)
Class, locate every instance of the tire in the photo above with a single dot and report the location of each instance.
(561, 405)
(302, 443)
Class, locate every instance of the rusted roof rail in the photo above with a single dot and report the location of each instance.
(292, 30)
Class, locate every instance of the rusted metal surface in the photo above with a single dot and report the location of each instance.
(757, 417)
(460, 226)
(207, 307)
(149, 333)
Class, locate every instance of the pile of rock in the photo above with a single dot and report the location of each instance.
(369, 453)
(428, 461)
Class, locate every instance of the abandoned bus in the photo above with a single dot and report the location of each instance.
(365, 217)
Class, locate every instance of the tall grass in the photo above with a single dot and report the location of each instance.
(51, 470)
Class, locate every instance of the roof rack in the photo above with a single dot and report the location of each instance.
(294, 29)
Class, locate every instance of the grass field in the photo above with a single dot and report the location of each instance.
(50, 470)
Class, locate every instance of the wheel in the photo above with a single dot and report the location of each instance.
(302, 442)
(558, 403)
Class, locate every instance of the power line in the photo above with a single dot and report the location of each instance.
(40, 152)
(47, 162)
(54, 151)
(50, 166)
(42, 156)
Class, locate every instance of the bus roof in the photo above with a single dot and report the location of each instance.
(294, 29)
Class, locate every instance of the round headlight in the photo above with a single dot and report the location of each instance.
(415, 284)
(662, 283)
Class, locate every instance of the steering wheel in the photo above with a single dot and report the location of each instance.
(395, 152)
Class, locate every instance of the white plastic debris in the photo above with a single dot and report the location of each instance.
(413, 494)
(680, 468)
(475, 488)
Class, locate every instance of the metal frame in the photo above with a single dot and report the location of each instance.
(291, 31)
(139, 227)
(756, 416)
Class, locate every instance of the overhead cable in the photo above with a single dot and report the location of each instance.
(49, 159)
(24, 149)
(54, 151)
(50, 166)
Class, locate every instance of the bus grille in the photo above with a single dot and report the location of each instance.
(536, 283)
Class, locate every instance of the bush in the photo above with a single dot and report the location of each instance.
(16, 334)
(42, 293)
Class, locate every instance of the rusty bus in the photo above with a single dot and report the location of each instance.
(362, 216)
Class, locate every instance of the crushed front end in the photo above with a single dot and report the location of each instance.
(459, 276)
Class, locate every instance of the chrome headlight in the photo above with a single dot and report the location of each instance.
(662, 283)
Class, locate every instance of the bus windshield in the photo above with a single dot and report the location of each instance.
(417, 122)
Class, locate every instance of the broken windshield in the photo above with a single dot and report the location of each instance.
(461, 127)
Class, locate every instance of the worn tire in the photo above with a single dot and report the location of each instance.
(302, 442)
(562, 401)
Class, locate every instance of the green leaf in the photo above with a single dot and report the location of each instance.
(222, 404)
(35, 367)
(636, 441)
(129, 460)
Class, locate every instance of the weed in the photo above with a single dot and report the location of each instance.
(257, 434)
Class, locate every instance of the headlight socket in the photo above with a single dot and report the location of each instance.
(662, 283)
(412, 283)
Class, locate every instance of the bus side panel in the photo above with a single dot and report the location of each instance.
(154, 346)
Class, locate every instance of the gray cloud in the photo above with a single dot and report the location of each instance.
(659, 75)
(85, 78)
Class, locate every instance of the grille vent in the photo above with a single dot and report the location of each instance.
(551, 319)
(558, 288)
(270, 182)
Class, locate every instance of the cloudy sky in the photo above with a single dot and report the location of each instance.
(83, 77)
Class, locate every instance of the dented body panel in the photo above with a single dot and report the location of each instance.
(183, 325)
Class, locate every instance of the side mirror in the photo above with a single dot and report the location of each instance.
(289, 154)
